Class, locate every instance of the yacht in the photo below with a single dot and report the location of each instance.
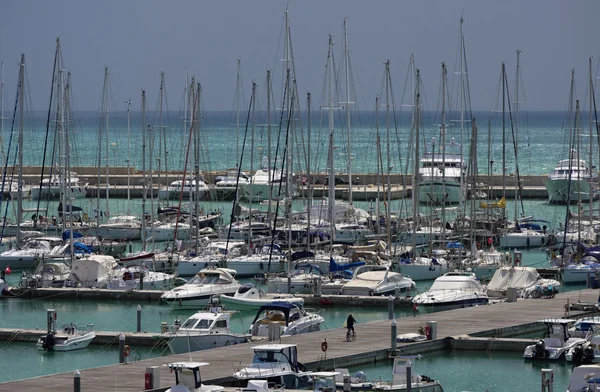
(423, 267)
(203, 330)
(188, 379)
(121, 228)
(47, 273)
(267, 258)
(440, 179)
(213, 252)
(557, 342)
(208, 282)
(70, 336)
(50, 188)
(138, 277)
(175, 189)
(25, 257)
(522, 279)
(226, 186)
(585, 378)
(91, 271)
(276, 363)
(292, 318)
(250, 297)
(585, 353)
(302, 280)
(377, 280)
(453, 290)
(571, 174)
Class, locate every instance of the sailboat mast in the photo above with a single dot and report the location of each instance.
(516, 142)
(61, 141)
(415, 180)
(2, 111)
(129, 155)
(160, 130)
(389, 161)
(143, 234)
(590, 190)
(269, 144)
(237, 111)
(503, 136)
(68, 196)
(21, 119)
(107, 213)
(379, 168)
(347, 59)
(252, 164)
(197, 165)
(462, 110)
(331, 203)
(309, 182)
(444, 152)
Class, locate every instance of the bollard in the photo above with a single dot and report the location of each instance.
(139, 318)
(51, 319)
(77, 381)
(394, 334)
(548, 380)
(391, 308)
(432, 326)
(347, 383)
(408, 377)
(141, 280)
(121, 348)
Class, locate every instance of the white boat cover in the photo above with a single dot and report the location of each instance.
(520, 278)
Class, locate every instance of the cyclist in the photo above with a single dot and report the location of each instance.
(350, 321)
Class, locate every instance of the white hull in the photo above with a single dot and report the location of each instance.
(189, 343)
(437, 192)
(530, 239)
(167, 233)
(237, 303)
(558, 190)
(191, 268)
(578, 275)
(77, 192)
(70, 343)
(422, 271)
(119, 234)
(257, 267)
(166, 194)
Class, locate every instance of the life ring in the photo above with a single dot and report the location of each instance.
(324, 346)
(127, 350)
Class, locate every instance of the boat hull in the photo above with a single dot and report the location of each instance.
(454, 304)
(53, 192)
(422, 271)
(578, 275)
(236, 303)
(189, 343)
(440, 192)
(558, 191)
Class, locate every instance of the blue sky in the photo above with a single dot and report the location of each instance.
(138, 39)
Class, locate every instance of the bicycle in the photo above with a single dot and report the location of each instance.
(350, 335)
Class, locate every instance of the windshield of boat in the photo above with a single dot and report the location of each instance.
(454, 285)
(203, 324)
(208, 279)
(269, 357)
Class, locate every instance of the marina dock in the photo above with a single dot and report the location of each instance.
(373, 343)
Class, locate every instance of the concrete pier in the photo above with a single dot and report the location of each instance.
(372, 344)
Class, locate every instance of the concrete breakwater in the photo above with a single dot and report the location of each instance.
(366, 188)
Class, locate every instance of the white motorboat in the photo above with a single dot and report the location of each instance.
(585, 353)
(47, 273)
(583, 271)
(556, 344)
(203, 330)
(188, 379)
(358, 381)
(165, 231)
(50, 188)
(302, 280)
(523, 238)
(453, 290)
(138, 276)
(208, 282)
(441, 175)
(249, 297)
(292, 318)
(276, 363)
(32, 250)
(70, 337)
(91, 271)
(423, 267)
(245, 230)
(269, 258)
(585, 378)
(572, 175)
(377, 280)
(400, 380)
(212, 254)
(175, 189)
(122, 228)
(584, 326)
(523, 279)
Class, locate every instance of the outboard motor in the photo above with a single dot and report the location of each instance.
(588, 355)
(49, 342)
(539, 352)
(578, 354)
(360, 377)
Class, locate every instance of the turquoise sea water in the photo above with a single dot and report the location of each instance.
(541, 138)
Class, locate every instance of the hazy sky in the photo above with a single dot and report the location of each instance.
(137, 39)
